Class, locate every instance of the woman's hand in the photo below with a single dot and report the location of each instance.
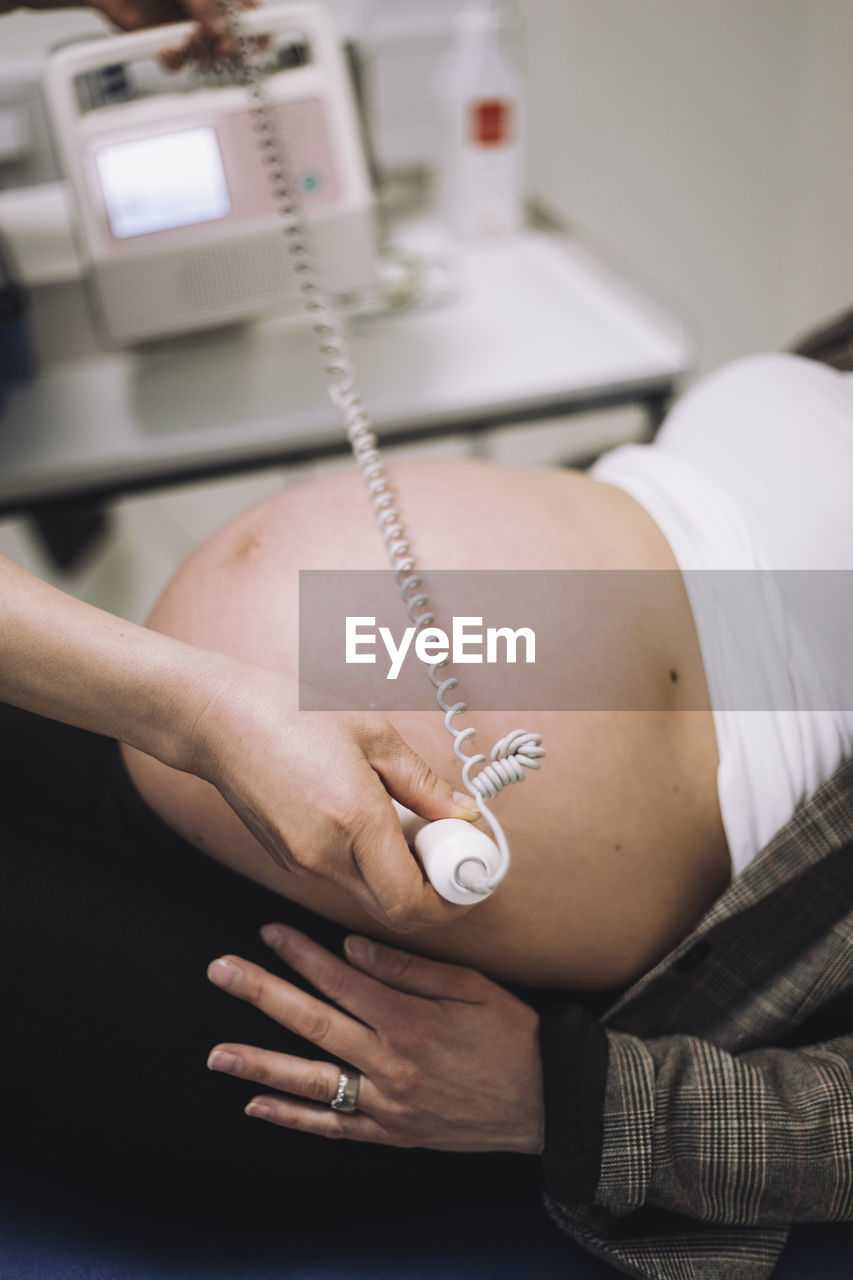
(448, 1059)
(132, 15)
(312, 787)
(210, 41)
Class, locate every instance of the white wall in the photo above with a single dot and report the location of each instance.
(32, 33)
(706, 146)
(824, 177)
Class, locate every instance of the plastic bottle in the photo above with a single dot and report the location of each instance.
(479, 155)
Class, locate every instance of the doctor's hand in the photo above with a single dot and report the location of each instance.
(313, 788)
(447, 1059)
(209, 42)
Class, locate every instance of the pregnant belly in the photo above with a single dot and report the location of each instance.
(617, 845)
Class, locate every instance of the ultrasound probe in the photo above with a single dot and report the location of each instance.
(463, 864)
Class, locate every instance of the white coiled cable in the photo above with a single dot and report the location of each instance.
(519, 750)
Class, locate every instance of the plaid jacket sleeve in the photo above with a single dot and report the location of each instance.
(762, 1138)
(728, 1111)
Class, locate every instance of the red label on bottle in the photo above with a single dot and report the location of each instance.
(491, 120)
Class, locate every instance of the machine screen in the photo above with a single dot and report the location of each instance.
(172, 180)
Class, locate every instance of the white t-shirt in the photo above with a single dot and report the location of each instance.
(753, 472)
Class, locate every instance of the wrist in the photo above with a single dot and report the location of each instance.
(195, 700)
(227, 708)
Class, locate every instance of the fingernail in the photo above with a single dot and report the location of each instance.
(258, 1111)
(466, 803)
(360, 949)
(219, 1061)
(224, 973)
(274, 935)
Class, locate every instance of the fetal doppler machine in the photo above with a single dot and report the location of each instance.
(199, 204)
(176, 223)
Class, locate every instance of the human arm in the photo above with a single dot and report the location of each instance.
(451, 1061)
(763, 1138)
(239, 727)
(211, 39)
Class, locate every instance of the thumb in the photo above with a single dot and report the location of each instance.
(413, 974)
(410, 780)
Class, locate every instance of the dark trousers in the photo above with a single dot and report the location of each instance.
(107, 924)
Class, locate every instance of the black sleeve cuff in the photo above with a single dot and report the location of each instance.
(574, 1069)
